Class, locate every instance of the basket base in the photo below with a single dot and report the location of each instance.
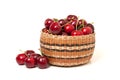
(71, 65)
(69, 62)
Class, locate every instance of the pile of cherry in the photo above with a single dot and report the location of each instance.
(32, 59)
(70, 26)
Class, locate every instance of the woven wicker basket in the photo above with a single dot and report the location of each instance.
(67, 50)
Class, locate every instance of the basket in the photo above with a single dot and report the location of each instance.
(67, 50)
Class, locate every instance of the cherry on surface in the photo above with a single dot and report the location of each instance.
(35, 56)
(42, 62)
(29, 52)
(30, 62)
(21, 58)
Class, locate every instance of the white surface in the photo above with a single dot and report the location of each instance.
(22, 20)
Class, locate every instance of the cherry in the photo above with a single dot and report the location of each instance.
(64, 34)
(68, 28)
(29, 52)
(48, 22)
(91, 26)
(86, 30)
(72, 17)
(21, 58)
(82, 22)
(30, 62)
(62, 22)
(35, 56)
(55, 28)
(45, 30)
(42, 62)
(76, 33)
(74, 23)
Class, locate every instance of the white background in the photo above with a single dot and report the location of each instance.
(22, 20)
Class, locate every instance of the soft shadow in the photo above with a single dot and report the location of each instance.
(97, 55)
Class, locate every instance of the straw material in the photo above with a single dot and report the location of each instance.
(67, 50)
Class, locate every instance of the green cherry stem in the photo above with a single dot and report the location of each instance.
(92, 22)
(23, 52)
(40, 51)
(55, 19)
(77, 22)
(83, 23)
(67, 23)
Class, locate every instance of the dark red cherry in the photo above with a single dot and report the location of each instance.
(64, 34)
(68, 28)
(74, 23)
(82, 22)
(45, 30)
(91, 26)
(42, 62)
(72, 17)
(55, 28)
(35, 56)
(30, 62)
(86, 30)
(76, 33)
(48, 22)
(62, 22)
(21, 58)
(29, 52)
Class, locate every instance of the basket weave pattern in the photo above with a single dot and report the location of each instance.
(67, 50)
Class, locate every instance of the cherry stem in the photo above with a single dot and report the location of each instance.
(67, 23)
(72, 17)
(76, 25)
(27, 55)
(21, 51)
(92, 22)
(40, 50)
(83, 23)
(55, 19)
(77, 22)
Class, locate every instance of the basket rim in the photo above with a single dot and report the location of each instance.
(61, 36)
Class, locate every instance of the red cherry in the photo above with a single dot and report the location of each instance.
(72, 17)
(35, 56)
(42, 62)
(64, 34)
(86, 30)
(74, 22)
(30, 62)
(76, 33)
(29, 52)
(91, 26)
(55, 28)
(68, 28)
(82, 22)
(48, 22)
(62, 22)
(21, 58)
(45, 30)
